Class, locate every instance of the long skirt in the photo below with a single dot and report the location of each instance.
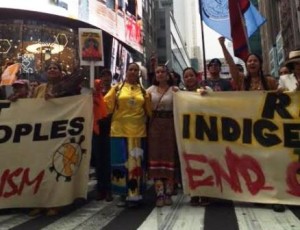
(161, 149)
(128, 167)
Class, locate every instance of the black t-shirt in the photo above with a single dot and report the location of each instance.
(217, 85)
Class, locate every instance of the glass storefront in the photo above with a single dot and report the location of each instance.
(35, 43)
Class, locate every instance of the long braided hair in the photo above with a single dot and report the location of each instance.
(260, 74)
(119, 87)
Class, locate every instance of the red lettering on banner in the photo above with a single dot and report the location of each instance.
(244, 166)
(13, 182)
(191, 172)
(292, 181)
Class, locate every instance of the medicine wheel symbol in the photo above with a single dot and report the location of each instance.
(67, 159)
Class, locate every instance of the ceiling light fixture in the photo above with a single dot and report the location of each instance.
(45, 47)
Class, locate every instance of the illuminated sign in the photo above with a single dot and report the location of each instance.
(122, 20)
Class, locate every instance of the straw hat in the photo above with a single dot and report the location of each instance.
(294, 56)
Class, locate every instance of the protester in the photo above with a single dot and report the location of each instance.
(129, 104)
(236, 70)
(190, 79)
(191, 84)
(151, 69)
(101, 140)
(161, 137)
(175, 78)
(255, 80)
(214, 80)
(289, 81)
(55, 87)
(283, 70)
(33, 84)
(213, 83)
(20, 90)
(58, 85)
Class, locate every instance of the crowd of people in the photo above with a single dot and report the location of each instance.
(131, 122)
(56, 86)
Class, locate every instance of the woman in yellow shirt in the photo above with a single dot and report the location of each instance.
(129, 104)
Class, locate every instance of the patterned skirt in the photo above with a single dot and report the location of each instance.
(128, 167)
(162, 148)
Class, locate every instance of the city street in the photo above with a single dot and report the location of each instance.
(92, 214)
(199, 92)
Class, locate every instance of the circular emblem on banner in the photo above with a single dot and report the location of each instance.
(215, 9)
(66, 160)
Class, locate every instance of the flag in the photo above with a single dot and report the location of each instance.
(238, 31)
(215, 14)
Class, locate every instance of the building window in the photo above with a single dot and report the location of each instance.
(161, 42)
(162, 24)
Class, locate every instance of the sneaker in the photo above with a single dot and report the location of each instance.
(195, 201)
(108, 197)
(168, 201)
(35, 212)
(100, 196)
(52, 212)
(160, 201)
(132, 204)
(122, 202)
(278, 207)
(204, 201)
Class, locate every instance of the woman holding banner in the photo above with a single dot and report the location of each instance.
(130, 105)
(253, 81)
(162, 158)
(55, 87)
(192, 84)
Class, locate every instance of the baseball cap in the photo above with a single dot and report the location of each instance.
(19, 82)
(215, 61)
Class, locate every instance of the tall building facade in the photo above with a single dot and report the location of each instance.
(149, 29)
(187, 19)
(187, 16)
(281, 33)
(171, 47)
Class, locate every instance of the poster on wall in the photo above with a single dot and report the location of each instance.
(91, 47)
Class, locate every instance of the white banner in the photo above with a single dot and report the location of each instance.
(45, 151)
(242, 146)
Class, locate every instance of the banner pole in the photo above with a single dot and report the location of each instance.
(92, 74)
(203, 42)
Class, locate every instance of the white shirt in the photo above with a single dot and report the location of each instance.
(288, 81)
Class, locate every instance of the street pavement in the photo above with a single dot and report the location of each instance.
(91, 214)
